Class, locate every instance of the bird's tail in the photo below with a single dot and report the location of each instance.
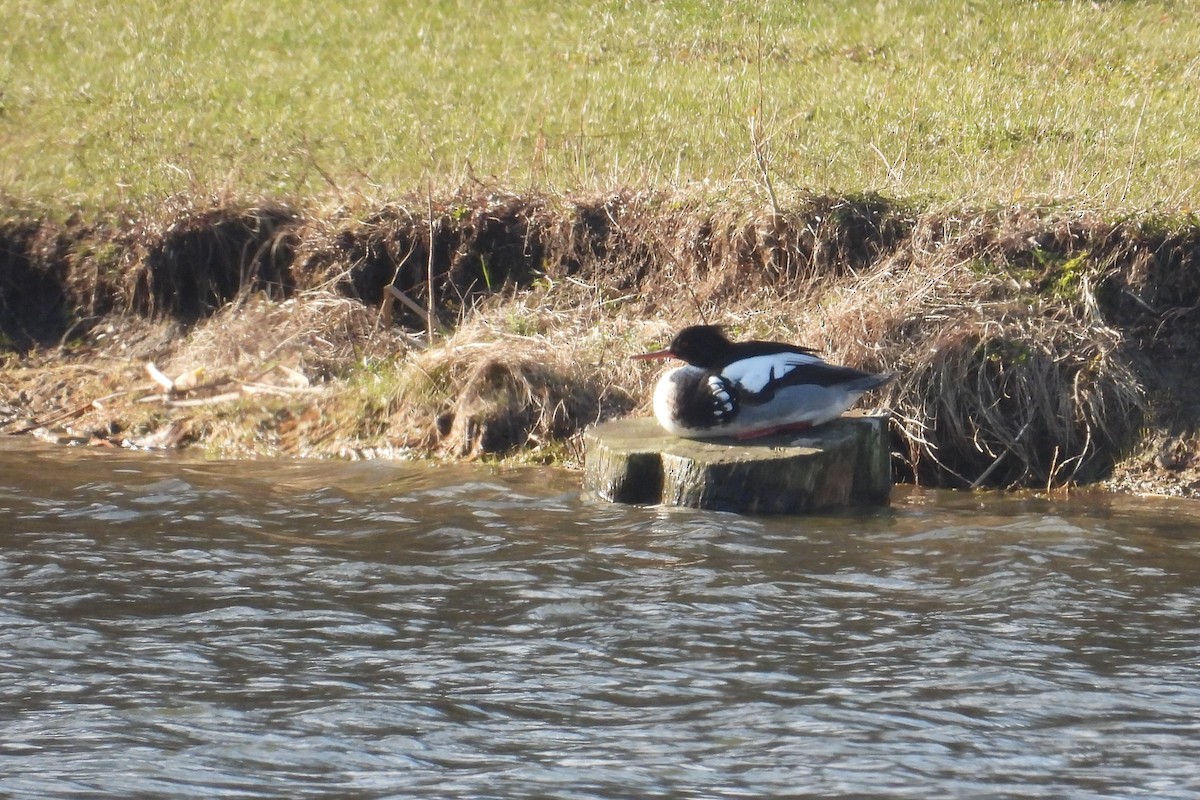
(874, 381)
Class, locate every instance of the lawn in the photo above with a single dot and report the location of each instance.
(1093, 104)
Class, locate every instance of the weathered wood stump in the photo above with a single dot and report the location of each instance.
(842, 464)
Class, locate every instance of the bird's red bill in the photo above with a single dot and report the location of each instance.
(655, 355)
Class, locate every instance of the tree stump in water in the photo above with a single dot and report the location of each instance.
(841, 464)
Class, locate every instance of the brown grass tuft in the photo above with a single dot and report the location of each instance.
(999, 385)
(316, 334)
(491, 390)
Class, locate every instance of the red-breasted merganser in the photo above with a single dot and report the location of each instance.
(750, 389)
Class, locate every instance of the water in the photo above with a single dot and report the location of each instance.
(180, 628)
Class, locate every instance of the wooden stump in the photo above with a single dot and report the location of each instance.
(842, 464)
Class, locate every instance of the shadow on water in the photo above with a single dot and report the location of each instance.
(178, 627)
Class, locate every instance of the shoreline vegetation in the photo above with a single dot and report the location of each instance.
(203, 206)
(1038, 345)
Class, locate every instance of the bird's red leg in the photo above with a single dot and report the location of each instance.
(791, 427)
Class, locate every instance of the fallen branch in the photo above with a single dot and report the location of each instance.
(282, 391)
(192, 402)
(71, 413)
(983, 476)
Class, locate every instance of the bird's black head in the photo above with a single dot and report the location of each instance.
(700, 345)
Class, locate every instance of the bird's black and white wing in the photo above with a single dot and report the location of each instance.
(758, 376)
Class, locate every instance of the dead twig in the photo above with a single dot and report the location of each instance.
(429, 316)
(71, 413)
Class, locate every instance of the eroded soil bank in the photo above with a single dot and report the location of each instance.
(1037, 346)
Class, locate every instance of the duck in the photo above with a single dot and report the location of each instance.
(750, 389)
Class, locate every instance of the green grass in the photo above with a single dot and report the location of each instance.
(1096, 103)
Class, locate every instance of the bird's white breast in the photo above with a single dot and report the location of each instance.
(667, 400)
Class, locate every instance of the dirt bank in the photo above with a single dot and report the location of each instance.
(1038, 346)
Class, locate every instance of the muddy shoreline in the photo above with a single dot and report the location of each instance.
(1039, 346)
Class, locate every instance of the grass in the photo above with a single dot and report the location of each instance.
(103, 104)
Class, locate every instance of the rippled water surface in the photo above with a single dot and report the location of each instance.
(202, 629)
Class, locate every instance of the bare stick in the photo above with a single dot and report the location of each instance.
(1137, 129)
(408, 301)
(429, 272)
(761, 159)
(987, 472)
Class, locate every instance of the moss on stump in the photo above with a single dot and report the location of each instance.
(842, 464)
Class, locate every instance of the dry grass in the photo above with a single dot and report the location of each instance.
(994, 389)
(1024, 337)
(999, 384)
(517, 374)
(317, 334)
